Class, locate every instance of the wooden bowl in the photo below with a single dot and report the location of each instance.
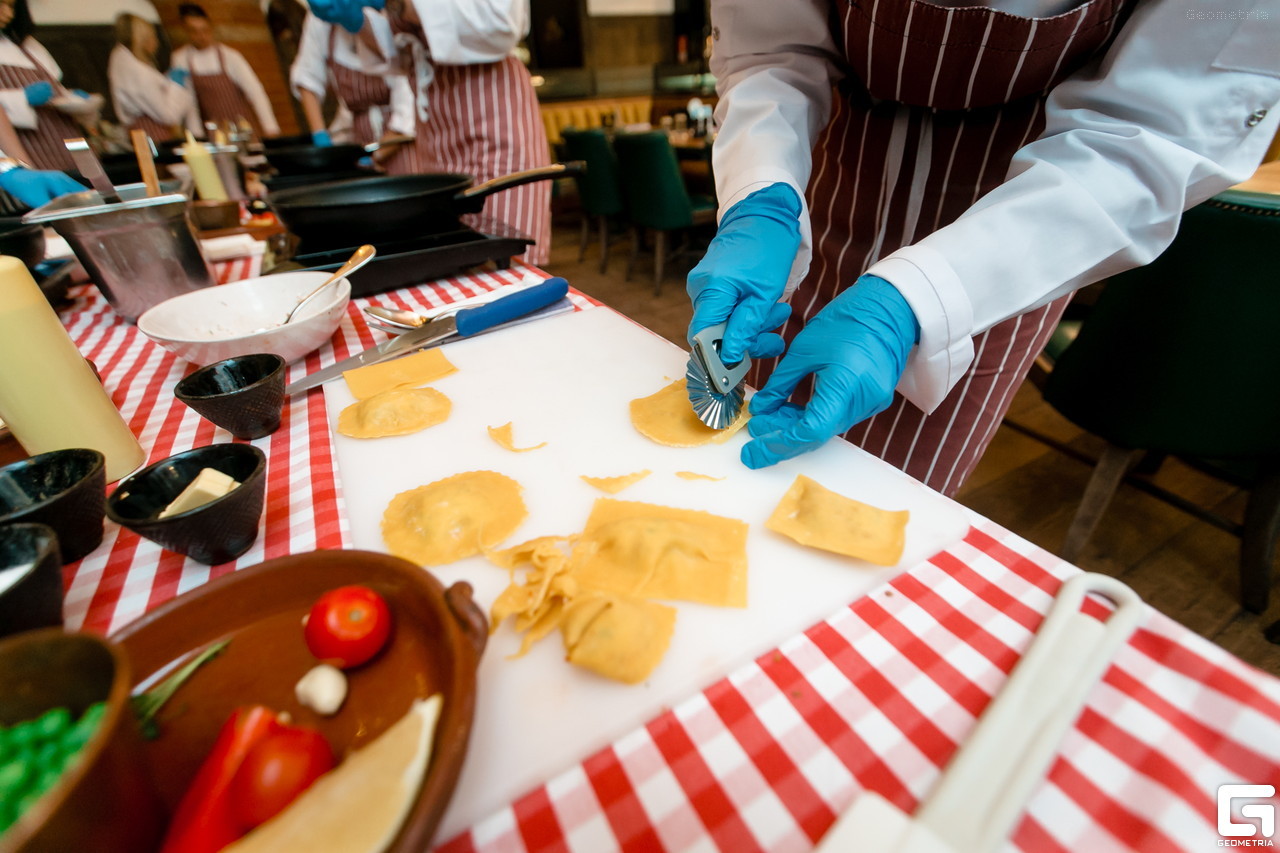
(106, 801)
(435, 646)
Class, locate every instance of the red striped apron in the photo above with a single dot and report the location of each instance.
(44, 144)
(936, 102)
(361, 93)
(219, 97)
(157, 131)
(484, 121)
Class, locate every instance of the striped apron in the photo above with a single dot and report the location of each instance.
(936, 102)
(44, 144)
(157, 131)
(362, 93)
(220, 99)
(483, 121)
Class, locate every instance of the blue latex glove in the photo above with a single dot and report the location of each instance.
(365, 163)
(179, 75)
(39, 93)
(744, 272)
(34, 188)
(321, 138)
(856, 348)
(81, 94)
(345, 13)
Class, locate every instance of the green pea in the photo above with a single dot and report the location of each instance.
(47, 779)
(27, 800)
(14, 778)
(53, 723)
(93, 714)
(48, 754)
(23, 734)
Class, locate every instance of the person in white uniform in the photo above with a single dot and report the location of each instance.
(954, 174)
(225, 85)
(145, 98)
(30, 87)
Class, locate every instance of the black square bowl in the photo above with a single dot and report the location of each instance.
(212, 533)
(65, 489)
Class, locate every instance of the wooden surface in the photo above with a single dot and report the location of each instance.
(1265, 180)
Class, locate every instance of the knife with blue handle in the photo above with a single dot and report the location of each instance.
(541, 298)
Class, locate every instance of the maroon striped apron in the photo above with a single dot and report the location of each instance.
(361, 93)
(157, 131)
(44, 144)
(936, 102)
(219, 97)
(483, 121)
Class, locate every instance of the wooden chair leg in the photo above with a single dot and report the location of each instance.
(659, 260)
(635, 251)
(1107, 474)
(603, 224)
(586, 237)
(1258, 542)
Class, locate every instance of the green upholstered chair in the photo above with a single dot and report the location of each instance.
(656, 196)
(598, 189)
(1179, 358)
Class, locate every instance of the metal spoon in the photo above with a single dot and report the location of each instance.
(359, 258)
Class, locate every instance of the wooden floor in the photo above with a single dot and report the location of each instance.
(1184, 567)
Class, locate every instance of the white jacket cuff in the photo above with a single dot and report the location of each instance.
(21, 114)
(933, 290)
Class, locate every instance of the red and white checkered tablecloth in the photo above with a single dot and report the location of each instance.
(878, 696)
(881, 694)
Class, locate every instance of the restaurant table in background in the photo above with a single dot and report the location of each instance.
(1265, 180)
(878, 695)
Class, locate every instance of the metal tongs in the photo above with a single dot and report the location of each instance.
(984, 789)
(89, 165)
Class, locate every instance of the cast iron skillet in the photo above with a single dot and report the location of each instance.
(368, 210)
(308, 159)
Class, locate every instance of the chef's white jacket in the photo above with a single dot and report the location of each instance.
(310, 69)
(468, 32)
(139, 88)
(1180, 107)
(14, 101)
(238, 69)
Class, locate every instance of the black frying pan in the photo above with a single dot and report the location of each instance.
(369, 210)
(310, 159)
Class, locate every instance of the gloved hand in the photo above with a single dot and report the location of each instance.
(345, 13)
(744, 272)
(34, 188)
(39, 93)
(179, 75)
(321, 138)
(856, 348)
(81, 94)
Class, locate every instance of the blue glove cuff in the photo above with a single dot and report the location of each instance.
(897, 311)
(778, 202)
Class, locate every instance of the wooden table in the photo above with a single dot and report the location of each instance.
(1265, 180)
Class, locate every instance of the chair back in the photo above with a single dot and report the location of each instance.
(598, 186)
(652, 185)
(1179, 356)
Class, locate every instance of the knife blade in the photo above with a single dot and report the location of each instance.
(464, 324)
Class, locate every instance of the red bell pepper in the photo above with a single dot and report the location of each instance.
(205, 820)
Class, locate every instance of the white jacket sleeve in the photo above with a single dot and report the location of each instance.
(774, 65)
(310, 69)
(400, 117)
(139, 89)
(1178, 109)
(466, 32)
(239, 70)
(14, 101)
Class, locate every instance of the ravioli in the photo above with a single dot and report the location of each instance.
(813, 515)
(502, 435)
(613, 485)
(619, 638)
(453, 518)
(397, 412)
(667, 417)
(422, 367)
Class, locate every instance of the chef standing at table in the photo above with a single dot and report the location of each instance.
(30, 80)
(933, 182)
(144, 98)
(365, 75)
(226, 88)
(477, 112)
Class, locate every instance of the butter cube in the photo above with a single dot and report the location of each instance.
(208, 485)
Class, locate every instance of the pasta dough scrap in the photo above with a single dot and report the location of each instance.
(613, 485)
(411, 371)
(397, 412)
(667, 417)
(619, 638)
(813, 515)
(453, 518)
(538, 603)
(502, 435)
(693, 475)
(650, 551)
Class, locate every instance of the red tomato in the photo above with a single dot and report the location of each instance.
(275, 771)
(347, 626)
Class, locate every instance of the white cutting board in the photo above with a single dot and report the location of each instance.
(568, 380)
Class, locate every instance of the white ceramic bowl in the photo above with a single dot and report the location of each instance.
(218, 322)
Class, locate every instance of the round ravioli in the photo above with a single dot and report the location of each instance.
(667, 417)
(453, 518)
(398, 412)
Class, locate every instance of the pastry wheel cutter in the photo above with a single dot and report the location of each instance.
(716, 389)
(984, 789)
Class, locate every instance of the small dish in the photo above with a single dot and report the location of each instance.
(64, 489)
(243, 317)
(106, 800)
(211, 533)
(437, 639)
(30, 578)
(243, 394)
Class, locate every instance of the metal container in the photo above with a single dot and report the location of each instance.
(138, 252)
